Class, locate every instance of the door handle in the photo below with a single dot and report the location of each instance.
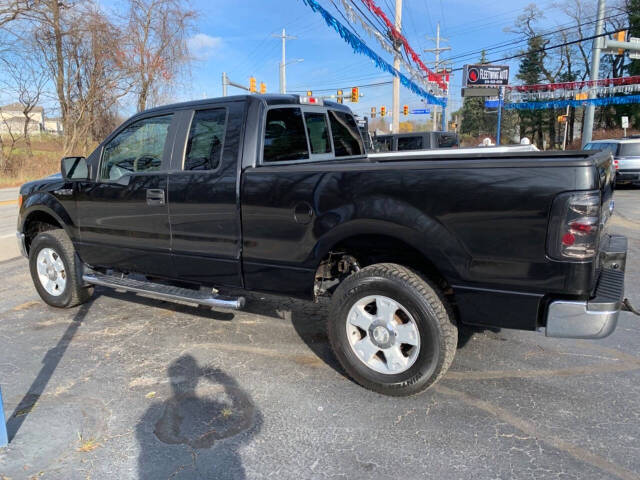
(155, 196)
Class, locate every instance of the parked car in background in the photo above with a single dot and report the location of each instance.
(398, 142)
(626, 157)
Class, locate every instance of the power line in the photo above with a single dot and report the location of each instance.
(551, 47)
(377, 84)
(512, 43)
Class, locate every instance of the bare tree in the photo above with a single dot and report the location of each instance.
(12, 9)
(26, 80)
(156, 38)
(76, 41)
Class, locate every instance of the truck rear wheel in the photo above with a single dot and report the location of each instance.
(56, 270)
(391, 330)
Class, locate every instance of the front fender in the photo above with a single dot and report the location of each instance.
(46, 202)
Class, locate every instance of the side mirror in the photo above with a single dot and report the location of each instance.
(74, 168)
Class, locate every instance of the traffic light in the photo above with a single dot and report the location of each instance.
(339, 96)
(620, 36)
(373, 112)
(562, 118)
(309, 93)
(383, 111)
(405, 110)
(263, 87)
(252, 84)
(354, 94)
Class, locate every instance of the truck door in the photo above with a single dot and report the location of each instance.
(122, 215)
(204, 210)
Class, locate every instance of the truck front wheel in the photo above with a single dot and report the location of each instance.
(56, 270)
(391, 330)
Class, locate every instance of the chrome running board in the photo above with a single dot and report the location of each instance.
(164, 292)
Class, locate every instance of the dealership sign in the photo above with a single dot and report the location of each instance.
(486, 75)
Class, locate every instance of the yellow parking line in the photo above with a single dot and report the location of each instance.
(8, 202)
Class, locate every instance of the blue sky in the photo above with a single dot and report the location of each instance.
(236, 37)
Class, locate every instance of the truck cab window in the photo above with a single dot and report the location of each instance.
(410, 143)
(137, 148)
(284, 136)
(346, 136)
(318, 132)
(204, 148)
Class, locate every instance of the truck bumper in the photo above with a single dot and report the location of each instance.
(627, 176)
(598, 316)
(21, 244)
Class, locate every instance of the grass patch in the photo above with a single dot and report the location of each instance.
(87, 445)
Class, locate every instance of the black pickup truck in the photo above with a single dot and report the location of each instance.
(274, 193)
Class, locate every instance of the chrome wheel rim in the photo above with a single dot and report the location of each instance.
(383, 334)
(51, 272)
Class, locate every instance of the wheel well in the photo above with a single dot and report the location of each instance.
(37, 222)
(363, 250)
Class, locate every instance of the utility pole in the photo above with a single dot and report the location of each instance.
(283, 63)
(595, 74)
(395, 106)
(436, 51)
(225, 82)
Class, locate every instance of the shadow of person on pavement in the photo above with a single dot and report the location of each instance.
(198, 431)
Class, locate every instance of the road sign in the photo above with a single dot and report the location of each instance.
(486, 75)
(625, 122)
(479, 92)
(634, 55)
(491, 103)
(421, 111)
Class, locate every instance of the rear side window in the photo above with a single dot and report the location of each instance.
(318, 132)
(346, 136)
(630, 149)
(447, 140)
(284, 137)
(383, 144)
(204, 148)
(409, 143)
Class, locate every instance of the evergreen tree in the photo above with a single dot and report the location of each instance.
(633, 9)
(530, 72)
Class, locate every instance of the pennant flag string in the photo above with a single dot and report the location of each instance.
(602, 82)
(360, 47)
(353, 17)
(598, 102)
(431, 75)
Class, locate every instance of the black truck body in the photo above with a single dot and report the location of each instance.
(483, 227)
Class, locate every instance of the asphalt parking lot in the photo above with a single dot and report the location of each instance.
(130, 387)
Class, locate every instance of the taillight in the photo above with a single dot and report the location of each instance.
(615, 164)
(574, 226)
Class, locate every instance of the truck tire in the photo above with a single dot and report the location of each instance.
(56, 270)
(391, 330)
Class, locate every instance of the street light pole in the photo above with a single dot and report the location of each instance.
(283, 63)
(436, 51)
(595, 75)
(395, 107)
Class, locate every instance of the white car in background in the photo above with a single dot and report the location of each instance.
(626, 157)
